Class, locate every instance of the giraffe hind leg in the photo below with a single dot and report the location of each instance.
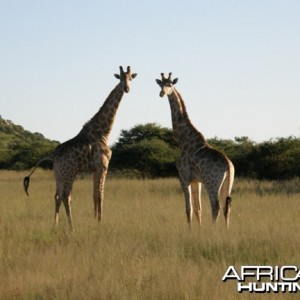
(96, 204)
(227, 210)
(216, 210)
(225, 194)
(63, 195)
(215, 205)
(96, 197)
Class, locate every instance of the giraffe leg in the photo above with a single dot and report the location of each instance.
(58, 194)
(196, 192)
(184, 178)
(95, 194)
(225, 195)
(227, 210)
(188, 206)
(188, 202)
(214, 202)
(63, 194)
(101, 158)
(99, 181)
(67, 204)
(57, 206)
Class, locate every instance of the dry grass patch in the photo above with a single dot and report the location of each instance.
(143, 249)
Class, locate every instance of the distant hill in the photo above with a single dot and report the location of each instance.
(21, 149)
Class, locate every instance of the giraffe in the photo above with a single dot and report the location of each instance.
(199, 163)
(87, 151)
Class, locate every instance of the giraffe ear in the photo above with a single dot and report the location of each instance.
(175, 81)
(133, 75)
(158, 81)
(117, 76)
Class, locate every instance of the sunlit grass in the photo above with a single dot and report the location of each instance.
(143, 249)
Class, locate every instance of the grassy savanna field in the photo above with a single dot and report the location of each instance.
(143, 249)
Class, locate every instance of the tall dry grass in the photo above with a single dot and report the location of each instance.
(143, 249)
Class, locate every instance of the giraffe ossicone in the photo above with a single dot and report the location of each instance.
(87, 151)
(199, 163)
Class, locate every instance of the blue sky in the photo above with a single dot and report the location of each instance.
(238, 64)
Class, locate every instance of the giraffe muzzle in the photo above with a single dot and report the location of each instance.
(161, 94)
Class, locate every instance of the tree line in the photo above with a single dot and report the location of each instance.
(150, 151)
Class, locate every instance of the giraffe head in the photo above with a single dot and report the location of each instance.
(125, 78)
(166, 84)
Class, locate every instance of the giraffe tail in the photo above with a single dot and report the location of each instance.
(26, 179)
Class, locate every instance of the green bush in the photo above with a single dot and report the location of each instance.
(148, 148)
(21, 149)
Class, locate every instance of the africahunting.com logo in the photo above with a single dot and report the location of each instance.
(264, 279)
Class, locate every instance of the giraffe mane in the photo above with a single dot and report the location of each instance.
(182, 104)
(186, 116)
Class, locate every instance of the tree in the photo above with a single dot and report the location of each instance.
(278, 159)
(147, 149)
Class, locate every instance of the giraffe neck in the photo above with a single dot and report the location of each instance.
(183, 129)
(100, 126)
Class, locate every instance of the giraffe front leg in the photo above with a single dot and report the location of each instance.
(101, 158)
(188, 206)
(67, 204)
(99, 181)
(188, 202)
(95, 195)
(57, 206)
(196, 192)
(186, 187)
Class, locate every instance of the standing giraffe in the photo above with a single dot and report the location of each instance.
(198, 162)
(87, 151)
